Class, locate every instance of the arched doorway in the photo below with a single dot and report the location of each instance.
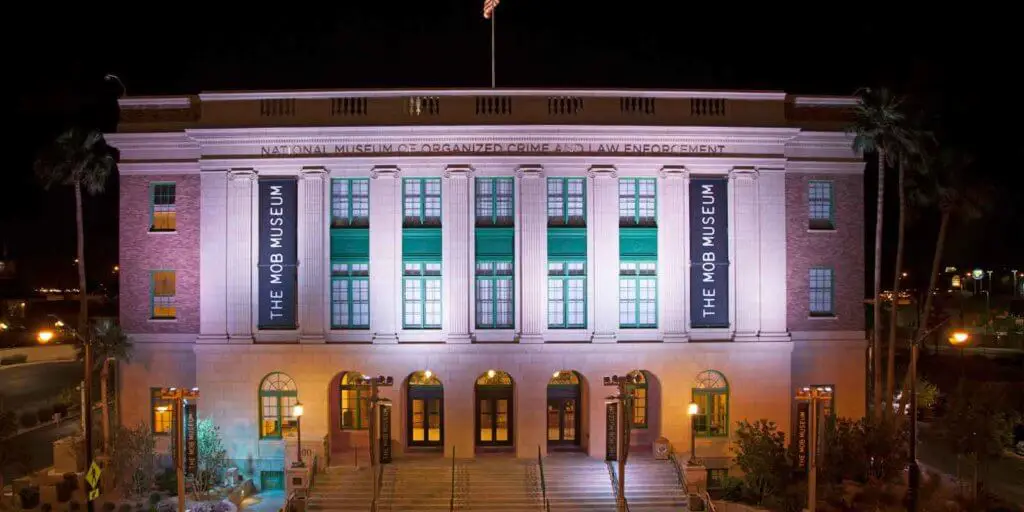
(425, 411)
(564, 409)
(494, 406)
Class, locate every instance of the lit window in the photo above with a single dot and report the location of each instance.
(566, 202)
(637, 202)
(638, 294)
(567, 295)
(162, 295)
(494, 295)
(711, 394)
(421, 200)
(638, 388)
(820, 205)
(350, 295)
(162, 207)
(822, 294)
(278, 397)
(162, 410)
(421, 295)
(350, 202)
(494, 201)
(355, 402)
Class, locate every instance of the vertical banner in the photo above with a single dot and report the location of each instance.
(176, 425)
(191, 439)
(612, 435)
(709, 252)
(385, 433)
(278, 253)
(803, 410)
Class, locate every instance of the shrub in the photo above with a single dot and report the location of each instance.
(60, 408)
(167, 482)
(44, 414)
(29, 497)
(15, 359)
(154, 498)
(213, 458)
(133, 460)
(28, 419)
(761, 455)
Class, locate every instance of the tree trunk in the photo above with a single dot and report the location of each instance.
(890, 368)
(876, 354)
(105, 406)
(83, 327)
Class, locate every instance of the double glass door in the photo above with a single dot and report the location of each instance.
(563, 421)
(494, 416)
(426, 416)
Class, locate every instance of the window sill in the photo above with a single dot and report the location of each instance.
(163, 320)
(822, 317)
(163, 231)
(823, 230)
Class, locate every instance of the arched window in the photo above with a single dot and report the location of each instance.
(278, 396)
(355, 402)
(711, 394)
(639, 390)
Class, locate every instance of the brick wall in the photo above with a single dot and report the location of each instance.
(842, 249)
(142, 251)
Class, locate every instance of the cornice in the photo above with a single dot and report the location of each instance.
(674, 171)
(385, 171)
(602, 171)
(169, 167)
(586, 93)
(530, 171)
(155, 102)
(458, 170)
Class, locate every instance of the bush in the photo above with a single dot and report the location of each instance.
(213, 458)
(44, 414)
(28, 419)
(133, 460)
(154, 498)
(761, 455)
(15, 359)
(61, 409)
(167, 482)
(29, 497)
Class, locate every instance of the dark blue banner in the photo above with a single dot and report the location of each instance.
(191, 439)
(278, 255)
(709, 252)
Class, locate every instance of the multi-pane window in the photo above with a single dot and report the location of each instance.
(350, 202)
(820, 204)
(566, 202)
(350, 295)
(494, 295)
(567, 295)
(162, 410)
(637, 202)
(638, 294)
(711, 394)
(421, 202)
(638, 388)
(278, 396)
(163, 216)
(355, 402)
(822, 293)
(494, 201)
(421, 296)
(162, 291)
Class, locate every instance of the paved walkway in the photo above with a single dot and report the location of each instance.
(269, 501)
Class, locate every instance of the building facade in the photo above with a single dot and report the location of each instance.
(498, 253)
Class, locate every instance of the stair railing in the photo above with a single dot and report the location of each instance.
(378, 485)
(543, 483)
(451, 503)
(621, 505)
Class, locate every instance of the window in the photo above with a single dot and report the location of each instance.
(162, 410)
(494, 295)
(162, 213)
(421, 296)
(421, 199)
(822, 301)
(716, 478)
(567, 295)
(350, 202)
(821, 205)
(639, 390)
(711, 394)
(162, 291)
(637, 202)
(350, 295)
(494, 201)
(355, 402)
(278, 397)
(638, 295)
(566, 202)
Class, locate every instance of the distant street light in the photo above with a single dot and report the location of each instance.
(693, 410)
(297, 411)
(44, 336)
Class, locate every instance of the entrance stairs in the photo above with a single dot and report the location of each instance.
(578, 482)
(653, 485)
(417, 484)
(342, 488)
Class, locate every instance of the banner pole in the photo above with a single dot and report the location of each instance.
(493, 82)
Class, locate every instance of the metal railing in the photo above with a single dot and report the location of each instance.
(451, 503)
(621, 505)
(543, 483)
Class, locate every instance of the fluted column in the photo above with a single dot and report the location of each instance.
(213, 218)
(747, 264)
(671, 244)
(455, 265)
(605, 246)
(240, 262)
(771, 186)
(533, 253)
(312, 258)
(385, 253)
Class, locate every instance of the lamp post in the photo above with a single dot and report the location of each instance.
(624, 399)
(179, 396)
(297, 411)
(692, 411)
(814, 395)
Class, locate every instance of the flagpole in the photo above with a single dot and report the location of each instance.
(492, 50)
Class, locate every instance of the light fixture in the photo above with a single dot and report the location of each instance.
(428, 374)
(959, 337)
(491, 374)
(58, 324)
(195, 388)
(162, 408)
(4, 327)
(44, 336)
(693, 409)
(556, 374)
(297, 410)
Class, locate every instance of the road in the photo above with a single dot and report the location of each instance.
(1004, 476)
(37, 384)
(39, 444)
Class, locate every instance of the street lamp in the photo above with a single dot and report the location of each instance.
(693, 410)
(297, 411)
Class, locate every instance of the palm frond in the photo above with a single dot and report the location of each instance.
(77, 156)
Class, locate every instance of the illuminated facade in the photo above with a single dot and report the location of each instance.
(498, 252)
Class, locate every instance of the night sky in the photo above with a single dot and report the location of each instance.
(961, 62)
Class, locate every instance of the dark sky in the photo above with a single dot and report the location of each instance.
(960, 61)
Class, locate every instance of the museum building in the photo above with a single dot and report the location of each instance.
(498, 253)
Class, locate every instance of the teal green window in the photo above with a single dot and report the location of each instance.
(822, 292)
(638, 389)
(163, 215)
(421, 202)
(494, 200)
(567, 202)
(350, 295)
(821, 204)
(567, 294)
(162, 410)
(355, 402)
(638, 294)
(421, 295)
(350, 202)
(711, 394)
(716, 478)
(638, 203)
(278, 397)
(494, 295)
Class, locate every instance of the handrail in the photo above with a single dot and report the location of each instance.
(451, 503)
(543, 483)
(709, 505)
(620, 501)
(375, 504)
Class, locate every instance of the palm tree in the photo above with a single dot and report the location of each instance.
(110, 347)
(81, 159)
(879, 126)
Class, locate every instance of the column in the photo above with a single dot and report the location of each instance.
(604, 244)
(456, 260)
(312, 258)
(772, 194)
(240, 263)
(385, 253)
(213, 219)
(533, 255)
(747, 264)
(672, 268)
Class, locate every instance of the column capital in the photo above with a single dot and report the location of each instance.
(312, 173)
(242, 174)
(674, 171)
(458, 171)
(530, 171)
(743, 173)
(385, 171)
(602, 171)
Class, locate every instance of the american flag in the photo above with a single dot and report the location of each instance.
(489, 6)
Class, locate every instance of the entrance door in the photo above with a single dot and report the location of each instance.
(494, 416)
(563, 421)
(426, 416)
